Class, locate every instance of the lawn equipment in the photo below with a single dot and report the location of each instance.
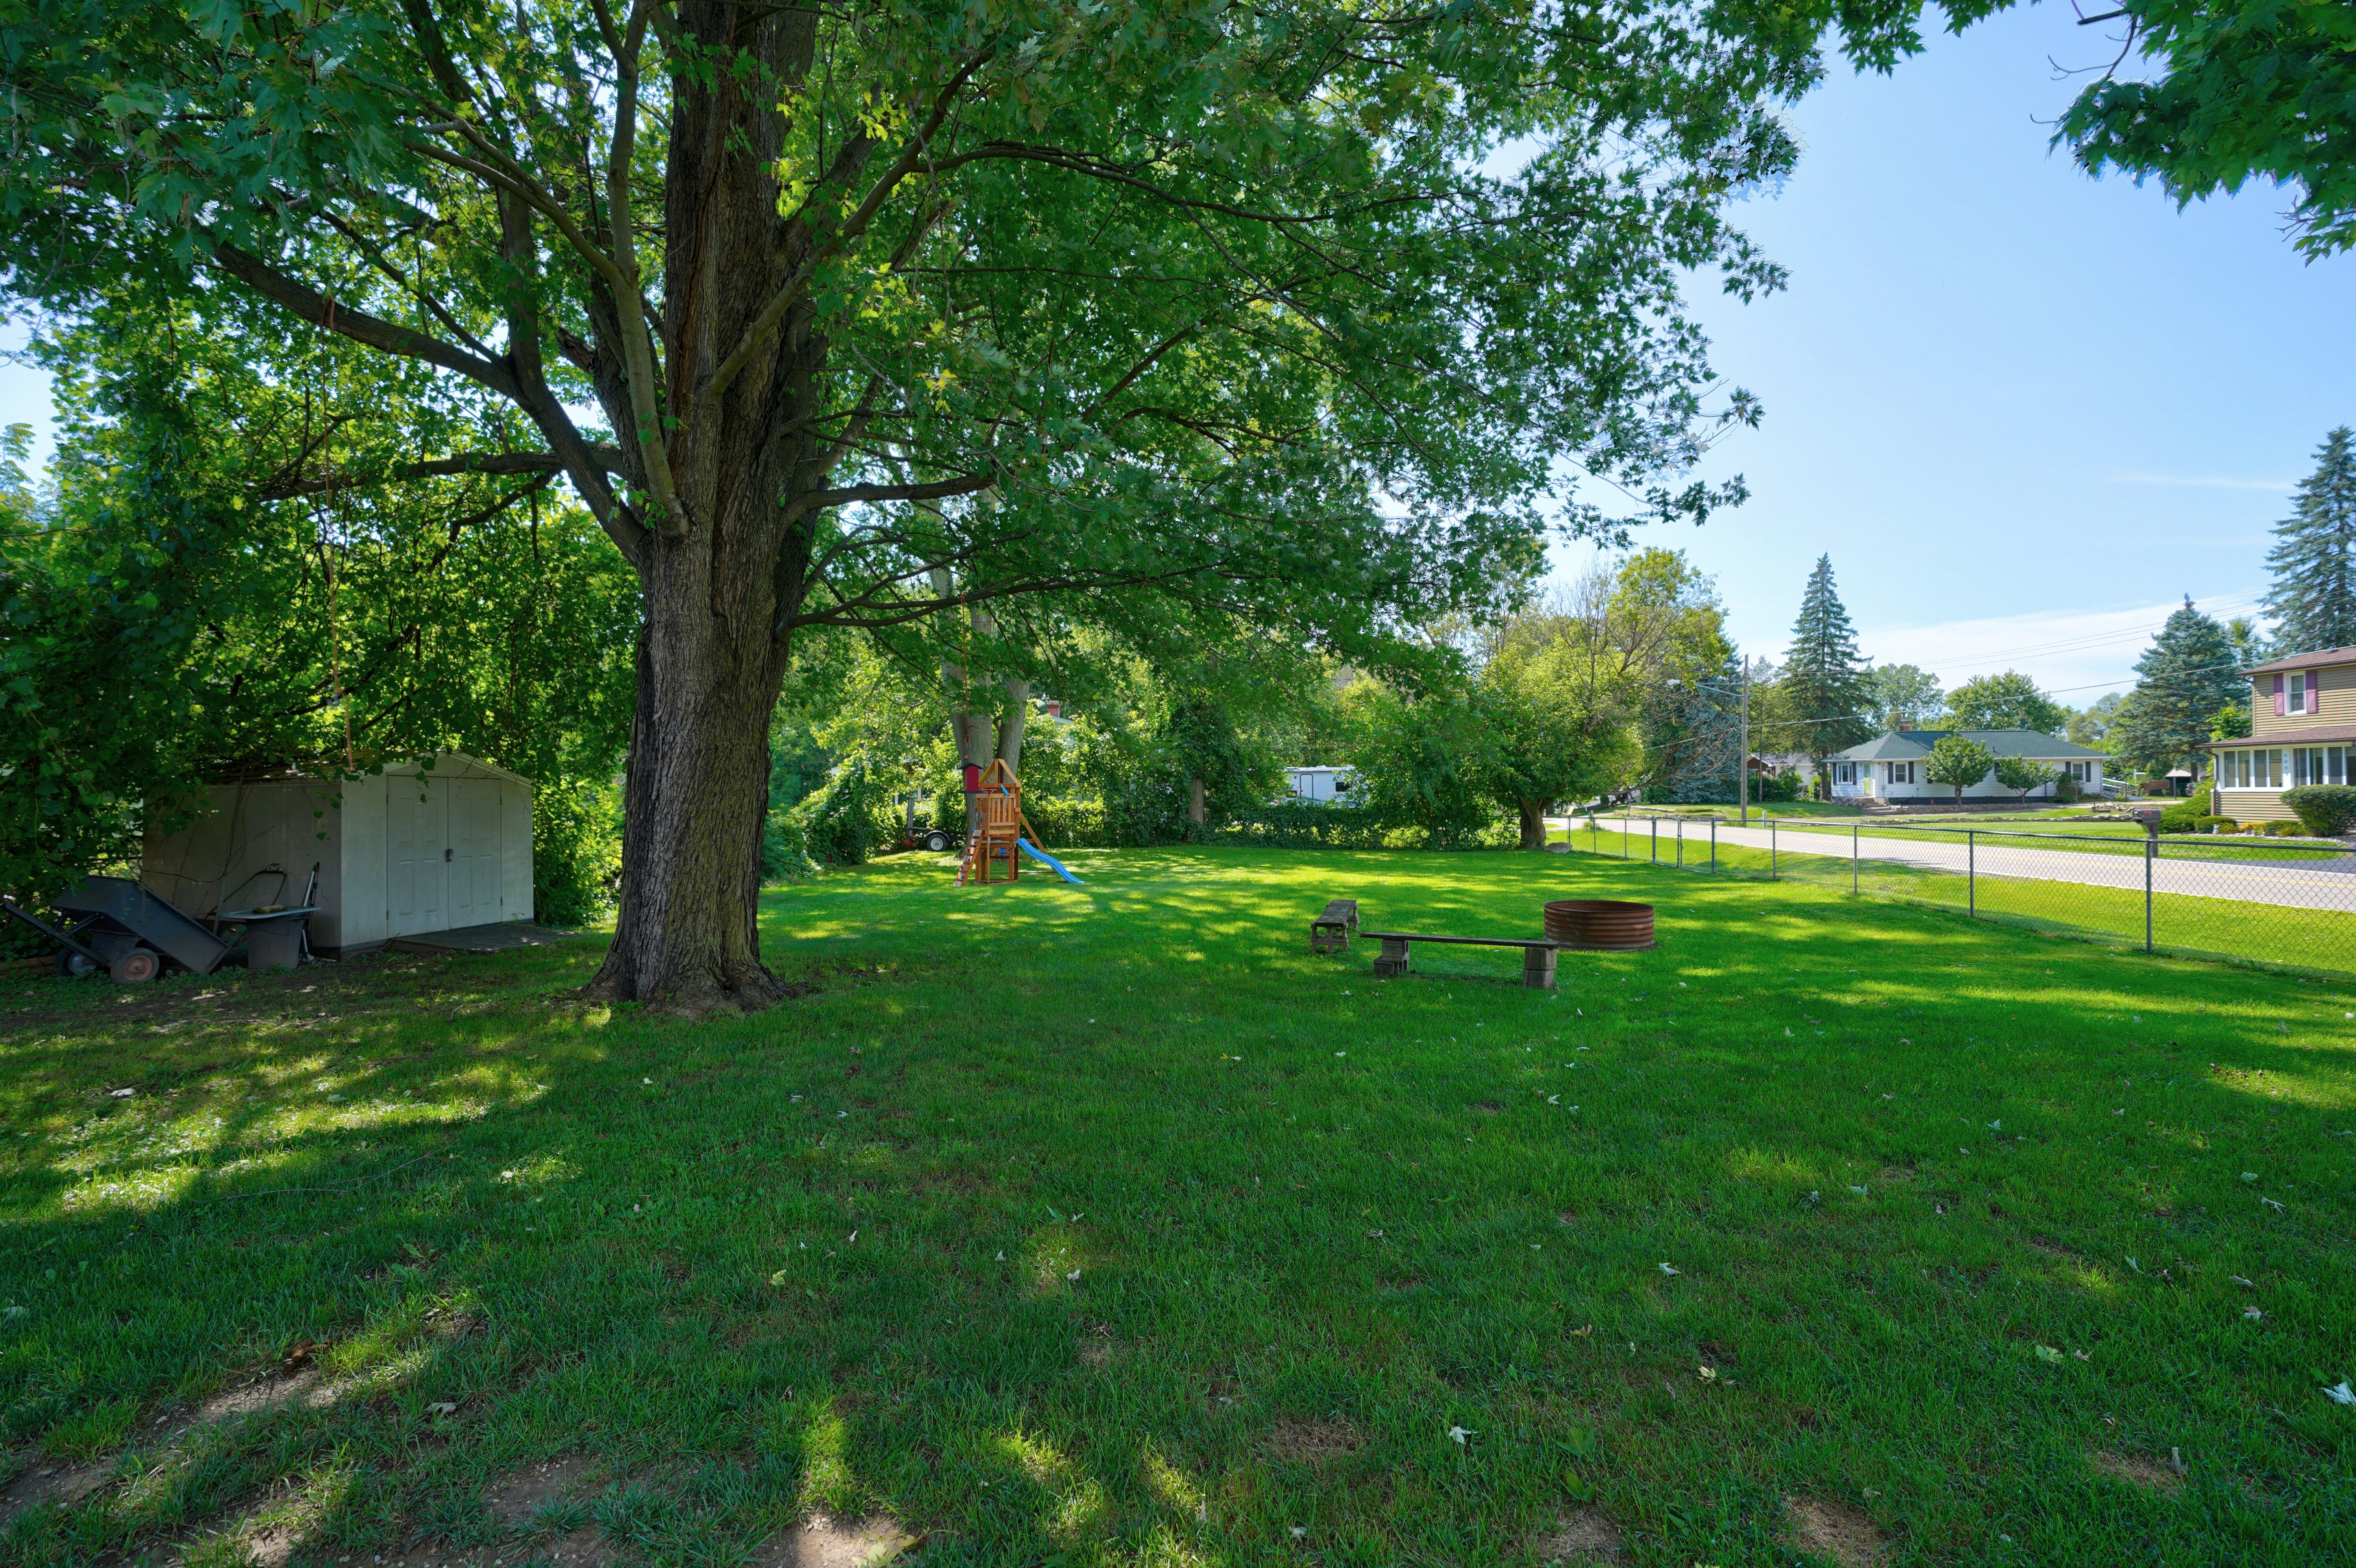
(125, 930)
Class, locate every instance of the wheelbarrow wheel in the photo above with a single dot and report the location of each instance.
(135, 967)
(71, 963)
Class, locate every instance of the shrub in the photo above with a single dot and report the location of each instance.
(2326, 810)
(2188, 816)
(576, 851)
(2284, 829)
(841, 824)
(2067, 789)
(2221, 824)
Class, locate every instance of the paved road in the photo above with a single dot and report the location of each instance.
(2287, 883)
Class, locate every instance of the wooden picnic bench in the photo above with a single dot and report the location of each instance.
(1330, 931)
(1538, 953)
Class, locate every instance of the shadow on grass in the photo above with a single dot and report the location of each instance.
(1056, 1215)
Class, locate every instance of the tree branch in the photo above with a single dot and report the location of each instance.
(936, 490)
(316, 308)
(293, 481)
(798, 285)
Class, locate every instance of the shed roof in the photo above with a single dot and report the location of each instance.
(1904, 745)
(446, 765)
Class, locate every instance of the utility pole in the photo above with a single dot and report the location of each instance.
(1742, 763)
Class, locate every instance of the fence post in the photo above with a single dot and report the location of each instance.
(1713, 844)
(1681, 843)
(2150, 854)
(1771, 873)
(1852, 857)
(1656, 839)
(1971, 874)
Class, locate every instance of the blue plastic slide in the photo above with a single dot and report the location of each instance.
(1054, 865)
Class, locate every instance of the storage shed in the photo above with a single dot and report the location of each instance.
(403, 852)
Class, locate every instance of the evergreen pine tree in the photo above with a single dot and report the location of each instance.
(1823, 694)
(2182, 679)
(2313, 599)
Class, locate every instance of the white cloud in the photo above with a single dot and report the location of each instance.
(2076, 654)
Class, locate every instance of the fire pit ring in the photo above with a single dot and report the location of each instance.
(1600, 925)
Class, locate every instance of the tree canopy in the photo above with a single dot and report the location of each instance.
(2183, 679)
(173, 613)
(2313, 596)
(2006, 701)
(1822, 696)
(1904, 697)
(2240, 91)
(1138, 316)
(1958, 762)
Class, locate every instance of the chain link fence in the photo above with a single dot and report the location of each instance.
(2270, 901)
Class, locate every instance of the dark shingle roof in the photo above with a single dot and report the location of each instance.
(1903, 745)
(2305, 661)
(2313, 735)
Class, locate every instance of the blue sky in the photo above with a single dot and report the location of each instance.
(2024, 410)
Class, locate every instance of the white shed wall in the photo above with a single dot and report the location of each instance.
(400, 852)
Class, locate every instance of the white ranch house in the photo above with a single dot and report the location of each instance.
(1890, 767)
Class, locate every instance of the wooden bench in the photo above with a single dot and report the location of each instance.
(1538, 953)
(1330, 931)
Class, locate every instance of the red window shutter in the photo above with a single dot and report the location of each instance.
(2279, 709)
(2313, 691)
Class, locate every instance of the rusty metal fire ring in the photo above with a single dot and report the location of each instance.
(1600, 925)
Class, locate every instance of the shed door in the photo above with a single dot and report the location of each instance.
(414, 842)
(474, 852)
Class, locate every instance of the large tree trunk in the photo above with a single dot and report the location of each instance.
(719, 567)
(1533, 828)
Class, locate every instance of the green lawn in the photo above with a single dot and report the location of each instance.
(1106, 1225)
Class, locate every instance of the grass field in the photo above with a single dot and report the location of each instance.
(1106, 1225)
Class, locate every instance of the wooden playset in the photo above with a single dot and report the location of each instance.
(998, 826)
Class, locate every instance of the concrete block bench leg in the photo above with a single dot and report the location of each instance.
(1392, 961)
(1537, 968)
(1328, 936)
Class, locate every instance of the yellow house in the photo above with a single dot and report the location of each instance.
(2302, 732)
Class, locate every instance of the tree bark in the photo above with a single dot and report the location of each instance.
(722, 561)
(1195, 812)
(1012, 722)
(1533, 828)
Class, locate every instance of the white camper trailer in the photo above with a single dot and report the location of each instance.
(402, 852)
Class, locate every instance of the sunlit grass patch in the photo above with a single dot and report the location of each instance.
(1945, 1208)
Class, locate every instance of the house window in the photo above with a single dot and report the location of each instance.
(1902, 773)
(2297, 703)
(2336, 761)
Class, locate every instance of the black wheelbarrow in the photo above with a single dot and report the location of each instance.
(119, 926)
